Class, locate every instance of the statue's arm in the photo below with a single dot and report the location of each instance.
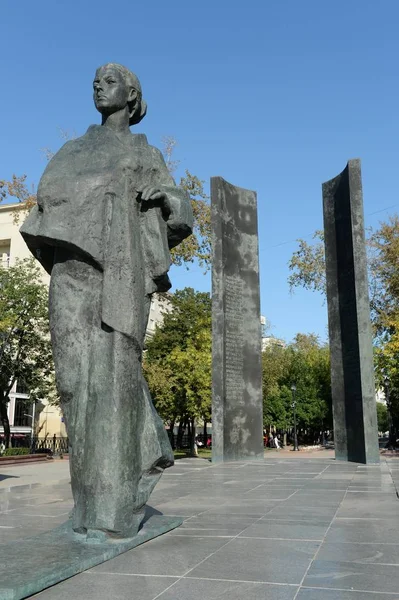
(177, 209)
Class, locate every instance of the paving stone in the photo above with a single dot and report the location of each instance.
(303, 512)
(88, 586)
(353, 576)
(170, 556)
(202, 589)
(259, 560)
(312, 594)
(289, 530)
(365, 530)
(360, 553)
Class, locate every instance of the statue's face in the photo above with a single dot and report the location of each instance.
(110, 90)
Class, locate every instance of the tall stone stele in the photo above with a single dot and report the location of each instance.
(107, 214)
(352, 369)
(237, 410)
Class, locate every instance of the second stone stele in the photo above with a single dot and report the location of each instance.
(237, 409)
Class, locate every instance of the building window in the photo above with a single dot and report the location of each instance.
(22, 388)
(5, 253)
(23, 415)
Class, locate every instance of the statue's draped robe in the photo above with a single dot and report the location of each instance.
(107, 252)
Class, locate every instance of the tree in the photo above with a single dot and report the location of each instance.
(177, 362)
(307, 266)
(17, 189)
(383, 247)
(276, 412)
(304, 363)
(25, 348)
(310, 371)
(382, 417)
(198, 245)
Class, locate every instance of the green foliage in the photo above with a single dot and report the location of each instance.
(177, 363)
(276, 397)
(304, 363)
(382, 417)
(25, 348)
(307, 265)
(197, 247)
(16, 451)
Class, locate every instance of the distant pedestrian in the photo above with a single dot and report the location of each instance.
(277, 443)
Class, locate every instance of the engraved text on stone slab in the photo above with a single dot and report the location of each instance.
(234, 319)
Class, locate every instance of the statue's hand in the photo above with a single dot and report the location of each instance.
(152, 194)
(149, 193)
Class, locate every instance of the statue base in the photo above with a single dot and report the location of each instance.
(38, 562)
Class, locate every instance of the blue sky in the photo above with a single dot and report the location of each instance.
(273, 96)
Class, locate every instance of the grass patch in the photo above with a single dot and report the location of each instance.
(202, 453)
(205, 452)
(180, 454)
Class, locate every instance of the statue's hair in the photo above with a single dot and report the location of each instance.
(138, 108)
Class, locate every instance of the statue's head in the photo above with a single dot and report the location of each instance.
(115, 87)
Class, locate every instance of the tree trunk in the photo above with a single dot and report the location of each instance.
(4, 421)
(171, 433)
(180, 433)
(205, 440)
(193, 445)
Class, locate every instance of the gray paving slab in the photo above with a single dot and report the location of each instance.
(369, 577)
(259, 560)
(315, 500)
(39, 473)
(111, 587)
(303, 512)
(365, 530)
(360, 553)
(168, 557)
(288, 530)
(263, 492)
(202, 589)
(240, 506)
(320, 594)
(368, 505)
(208, 520)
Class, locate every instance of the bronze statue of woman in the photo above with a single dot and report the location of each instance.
(107, 214)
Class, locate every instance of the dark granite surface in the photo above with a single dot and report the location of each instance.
(237, 406)
(352, 368)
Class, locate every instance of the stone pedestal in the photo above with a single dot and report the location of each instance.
(35, 563)
(352, 369)
(237, 410)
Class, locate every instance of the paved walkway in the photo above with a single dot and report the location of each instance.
(289, 528)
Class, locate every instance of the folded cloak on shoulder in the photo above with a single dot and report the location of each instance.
(87, 202)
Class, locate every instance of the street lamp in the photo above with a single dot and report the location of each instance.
(293, 390)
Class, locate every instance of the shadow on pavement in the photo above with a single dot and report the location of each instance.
(2, 477)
